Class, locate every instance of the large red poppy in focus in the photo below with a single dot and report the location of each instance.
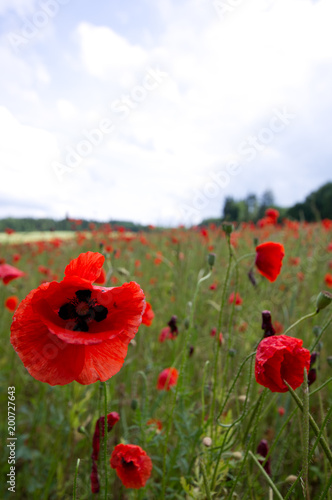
(269, 259)
(74, 330)
(280, 358)
(133, 466)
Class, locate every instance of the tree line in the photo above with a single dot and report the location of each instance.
(316, 206)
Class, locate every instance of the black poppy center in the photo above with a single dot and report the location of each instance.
(81, 310)
(130, 464)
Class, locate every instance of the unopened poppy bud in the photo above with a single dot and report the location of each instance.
(313, 358)
(191, 350)
(211, 259)
(312, 375)
(207, 441)
(316, 330)
(232, 352)
(329, 360)
(251, 277)
(186, 323)
(255, 240)
(267, 324)
(227, 227)
(133, 404)
(323, 300)
(263, 449)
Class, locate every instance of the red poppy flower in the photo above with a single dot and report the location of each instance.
(238, 299)
(11, 303)
(148, 315)
(74, 330)
(273, 214)
(155, 423)
(328, 279)
(101, 280)
(269, 259)
(280, 358)
(9, 273)
(167, 378)
(166, 334)
(133, 466)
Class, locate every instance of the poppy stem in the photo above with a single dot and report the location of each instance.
(217, 346)
(75, 478)
(305, 426)
(307, 316)
(312, 423)
(105, 436)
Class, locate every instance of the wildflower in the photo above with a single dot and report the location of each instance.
(11, 303)
(263, 449)
(272, 214)
(155, 423)
(281, 411)
(238, 299)
(167, 378)
(148, 315)
(133, 466)
(280, 358)
(166, 334)
(269, 257)
(328, 279)
(9, 273)
(74, 330)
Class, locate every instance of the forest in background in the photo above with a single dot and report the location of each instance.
(316, 206)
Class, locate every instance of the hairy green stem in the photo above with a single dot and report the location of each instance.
(105, 437)
(75, 478)
(305, 427)
(307, 316)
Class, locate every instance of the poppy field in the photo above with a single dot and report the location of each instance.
(208, 352)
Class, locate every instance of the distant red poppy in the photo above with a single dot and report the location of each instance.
(328, 279)
(11, 303)
(9, 273)
(166, 334)
(133, 466)
(167, 378)
(148, 315)
(238, 299)
(74, 330)
(280, 358)
(269, 257)
(273, 214)
(155, 423)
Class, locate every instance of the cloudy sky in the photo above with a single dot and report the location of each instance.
(154, 111)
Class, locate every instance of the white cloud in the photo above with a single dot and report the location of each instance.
(225, 77)
(107, 54)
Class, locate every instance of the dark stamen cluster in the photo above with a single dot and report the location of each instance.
(81, 310)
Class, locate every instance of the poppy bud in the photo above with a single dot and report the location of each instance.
(255, 240)
(251, 277)
(262, 449)
(133, 404)
(232, 352)
(329, 360)
(316, 330)
(173, 326)
(312, 375)
(191, 350)
(323, 300)
(267, 324)
(211, 259)
(313, 358)
(227, 227)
